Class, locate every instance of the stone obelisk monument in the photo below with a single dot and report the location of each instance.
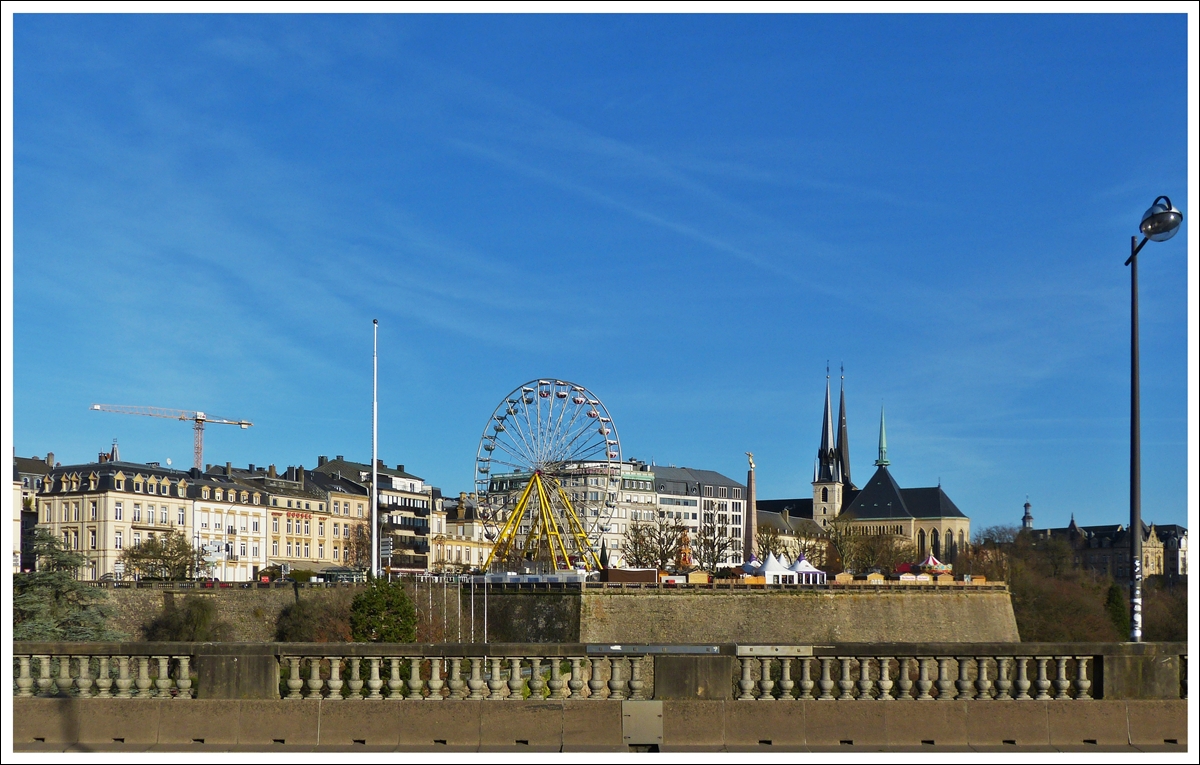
(751, 546)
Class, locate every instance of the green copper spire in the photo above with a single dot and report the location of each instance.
(883, 460)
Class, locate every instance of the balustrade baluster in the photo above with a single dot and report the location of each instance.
(44, 681)
(395, 682)
(516, 683)
(558, 687)
(183, 676)
(1061, 683)
(374, 681)
(315, 683)
(966, 689)
(355, 682)
(983, 684)
(415, 683)
(1022, 681)
(456, 684)
(595, 680)
(64, 681)
(1083, 685)
(84, 681)
(785, 679)
(576, 681)
(103, 678)
(747, 681)
(845, 683)
(335, 681)
(618, 687)
(435, 680)
(885, 678)
(904, 681)
(295, 682)
(924, 683)
(495, 682)
(865, 684)
(826, 681)
(1043, 682)
(806, 681)
(475, 682)
(636, 684)
(163, 682)
(537, 683)
(945, 683)
(1004, 681)
(24, 678)
(143, 678)
(124, 681)
(765, 683)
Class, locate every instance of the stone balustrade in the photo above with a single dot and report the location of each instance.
(513, 672)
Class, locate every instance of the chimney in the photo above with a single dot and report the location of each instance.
(102, 457)
(228, 468)
(50, 459)
(321, 460)
(340, 458)
(380, 464)
(271, 472)
(251, 468)
(300, 473)
(400, 468)
(207, 467)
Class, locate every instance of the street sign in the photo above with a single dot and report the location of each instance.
(385, 547)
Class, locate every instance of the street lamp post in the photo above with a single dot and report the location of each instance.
(1159, 223)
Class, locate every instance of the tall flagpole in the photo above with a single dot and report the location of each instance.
(375, 453)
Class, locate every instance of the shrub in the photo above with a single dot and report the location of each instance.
(383, 613)
(194, 620)
(315, 621)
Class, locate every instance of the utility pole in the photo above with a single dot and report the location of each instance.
(375, 453)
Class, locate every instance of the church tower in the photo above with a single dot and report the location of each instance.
(828, 480)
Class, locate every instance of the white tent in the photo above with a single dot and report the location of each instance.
(776, 573)
(806, 572)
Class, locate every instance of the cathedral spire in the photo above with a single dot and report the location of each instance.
(883, 460)
(827, 467)
(843, 436)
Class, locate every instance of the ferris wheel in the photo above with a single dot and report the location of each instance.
(546, 476)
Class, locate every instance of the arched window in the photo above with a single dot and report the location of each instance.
(824, 494)
(935, 544)
(921, 544)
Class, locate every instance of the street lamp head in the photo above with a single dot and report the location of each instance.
(1161, 221)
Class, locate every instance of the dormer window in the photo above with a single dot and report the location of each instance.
(151, 488)
(204, 493)
(256, 498)
(93, 479)
(244, 497)
(181, 487)
(219, 494)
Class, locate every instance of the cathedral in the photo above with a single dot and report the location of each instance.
(924, 516)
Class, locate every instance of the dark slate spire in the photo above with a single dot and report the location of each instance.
(843, 437)
(883, 460)
(827, 462)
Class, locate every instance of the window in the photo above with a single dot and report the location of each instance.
(722, 491)
(256, 498)
(306, 549)
(117, 512)
(244, 496)
(137, 539)
(289, 548)
(204, 493)
(219, 493)
(336, 510)
(737, 493)
(289, 525)
(182, 518)
(92, 510)
(275, 501)
(254, 525)
(91, 539)
(320, 528)
(242, 549)
(307, 531)
(117, 541)
(182, 490)
(137, 513)
(151, 488)
(120, 484)
(346, 530)
(824, 494)
(335, 552)
(306, 506)
(708, 491)
(360, 509)
(150, 514)
(254, 550)
(337, 530)
(289, 503)
(275, 547)
(320, 550)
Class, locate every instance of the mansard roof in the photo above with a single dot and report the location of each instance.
(882, 498)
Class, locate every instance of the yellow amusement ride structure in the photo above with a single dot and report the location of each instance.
(546, 476)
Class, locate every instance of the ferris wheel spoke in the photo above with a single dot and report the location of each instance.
(567, 431)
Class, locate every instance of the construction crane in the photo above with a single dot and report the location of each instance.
(198, 419)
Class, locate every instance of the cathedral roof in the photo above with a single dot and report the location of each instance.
(883, 498)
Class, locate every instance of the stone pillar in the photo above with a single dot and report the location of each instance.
(751, 518)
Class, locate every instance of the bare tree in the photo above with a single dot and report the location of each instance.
(711, 547)
(771, 540)
(358, 547)
(654, 544)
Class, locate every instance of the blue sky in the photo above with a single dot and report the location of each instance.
(687, 214)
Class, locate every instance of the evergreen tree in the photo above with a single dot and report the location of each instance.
(1118, 609)
(51, 604)
(383, 613)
